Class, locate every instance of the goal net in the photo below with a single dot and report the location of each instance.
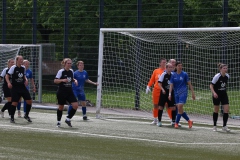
(127, 58)
(32, 53)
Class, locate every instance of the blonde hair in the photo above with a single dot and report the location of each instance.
(9, 60)
(25, 60)
(168, 64)
(64, 61)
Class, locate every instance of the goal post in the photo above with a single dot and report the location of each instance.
(31, 52)
(128, 56)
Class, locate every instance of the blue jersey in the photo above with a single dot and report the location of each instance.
(179, 82)
(29, 76)
(81, 77)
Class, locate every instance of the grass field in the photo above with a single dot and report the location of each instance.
(115, 138)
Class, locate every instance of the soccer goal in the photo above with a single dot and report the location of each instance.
(33, 53)
(127, 58)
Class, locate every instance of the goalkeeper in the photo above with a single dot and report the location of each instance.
(156, 89)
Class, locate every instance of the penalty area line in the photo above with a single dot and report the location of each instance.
(109, 136)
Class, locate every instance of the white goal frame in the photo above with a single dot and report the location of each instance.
(157, 30)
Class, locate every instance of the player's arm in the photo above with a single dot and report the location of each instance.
(213, 92)
(33, 84)
(91, 82)
(160, 80)
(191, 88)
(152, 79)
(170, 91)
(57, 79)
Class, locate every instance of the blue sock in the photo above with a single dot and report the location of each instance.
(24, 106)
(69, 108)
(178, 118)
(19, 106)
(84, 110)
(176, 110)
(185, 116)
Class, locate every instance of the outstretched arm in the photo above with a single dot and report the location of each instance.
(91, 82)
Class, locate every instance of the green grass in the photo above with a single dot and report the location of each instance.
(123, 98)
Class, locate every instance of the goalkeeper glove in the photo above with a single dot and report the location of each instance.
(148, 89)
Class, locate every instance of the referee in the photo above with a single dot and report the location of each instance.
(18, 88)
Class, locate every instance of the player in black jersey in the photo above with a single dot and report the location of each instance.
(18, 88)
(164, 85)
(6, 90)
(64, 79)
(218, 88)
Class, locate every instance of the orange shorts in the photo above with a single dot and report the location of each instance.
(156, 96)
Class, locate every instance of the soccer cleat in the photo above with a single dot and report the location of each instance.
(68, 123)
(19, 114)
(12, 120)
(154, 122)
(190, 123)
(85, 117)
(214, 128)
(2, 114)
(173, 124)
(58, 124)
(225, 128)
(27, 118)
(159, 124)
(176, 125)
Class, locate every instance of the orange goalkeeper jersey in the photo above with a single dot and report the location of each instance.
(154, 78)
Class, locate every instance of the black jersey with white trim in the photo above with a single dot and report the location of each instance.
(3, 75)
(17, 74)
(64, 74)
(165, 80)
(219, 82)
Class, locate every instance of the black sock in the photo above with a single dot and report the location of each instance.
(215, 118)
(6, 106)
(71, 113)
(173, 115)
(225, 119)
(160, 115)
(59, 115)
(12, 111)
(28, 108)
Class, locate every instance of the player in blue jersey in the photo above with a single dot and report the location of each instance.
(178, 82)
(81, 76)
(218, 88)
(6, 90)
(29, 76)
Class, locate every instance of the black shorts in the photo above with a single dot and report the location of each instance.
(6, 91)
(65, 96)
(164, 99)
(222, 98)
(20, 91)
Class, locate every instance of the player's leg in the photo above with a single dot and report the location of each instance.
(24, 107)
(162, 101)
(61, 98)
(172, 106)
(15, 98)
(73, 101)
(225, 104)
(82, 98)
(19, 108)
(182, 101)
(27, 97)
(7, 95)
(216, 103)
(155, 97)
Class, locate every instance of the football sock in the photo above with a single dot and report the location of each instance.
(169, 111)
(12, 111)
(185, 116)
(6, 106)
(155, 112)
(28, 108)
(84, 110)
(173, 115)
(178, 118)
(215, 118)
(160, 115)
(69, 108)
(71, 113)
(225, 119)
(25, 106)
(19, 106)
(59, 115)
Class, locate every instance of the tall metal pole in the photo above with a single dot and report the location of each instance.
(137, 58)
(180, 25)
(66, 28)
(101, 11)
(4, 21)
(34, 41)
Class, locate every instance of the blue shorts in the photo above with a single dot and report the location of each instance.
(80, 95)
(181, 98)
